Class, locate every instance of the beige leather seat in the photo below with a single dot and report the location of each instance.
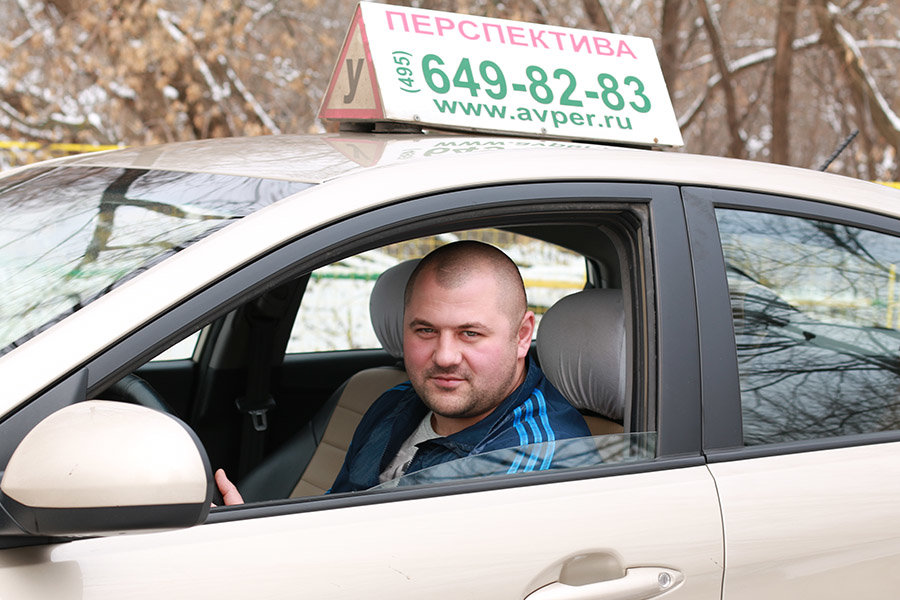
(581, 346)
(359, 393)
(327, 437)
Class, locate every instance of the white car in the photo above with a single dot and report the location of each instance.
(742, 387)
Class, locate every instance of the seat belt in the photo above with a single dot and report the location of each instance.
(263, 316)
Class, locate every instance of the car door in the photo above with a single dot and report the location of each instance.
(634, 529)
(800, 352)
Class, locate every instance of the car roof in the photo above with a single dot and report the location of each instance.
(322, 158)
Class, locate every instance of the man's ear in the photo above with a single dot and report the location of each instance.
(526, 332)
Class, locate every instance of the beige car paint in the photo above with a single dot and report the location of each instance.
(822, 524)
(99, 453)
(494, 544)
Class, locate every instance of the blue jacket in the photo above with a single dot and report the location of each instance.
(535, 412)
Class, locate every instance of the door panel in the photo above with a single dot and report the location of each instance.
(812, 525)
(492, 544)
(796, 305)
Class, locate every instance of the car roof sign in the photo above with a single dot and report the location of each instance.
(445, 70)
(352, 92)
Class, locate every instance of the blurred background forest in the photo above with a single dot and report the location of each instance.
(783, 81)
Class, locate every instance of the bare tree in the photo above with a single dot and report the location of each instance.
(155, 71)
(774, 80)
(858, 74)
(669, 51)
(716, 37)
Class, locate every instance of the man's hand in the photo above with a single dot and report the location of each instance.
(229, 491)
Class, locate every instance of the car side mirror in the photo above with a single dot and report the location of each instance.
(103, 468)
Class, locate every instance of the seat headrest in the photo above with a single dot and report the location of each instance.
(386, 306)
(581, 346)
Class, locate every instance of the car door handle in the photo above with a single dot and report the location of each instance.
(638, 583)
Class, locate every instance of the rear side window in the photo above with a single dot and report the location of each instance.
(815, 308)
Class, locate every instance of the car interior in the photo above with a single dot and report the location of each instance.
(278, 413)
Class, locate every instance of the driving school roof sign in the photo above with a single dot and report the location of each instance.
(455, 71)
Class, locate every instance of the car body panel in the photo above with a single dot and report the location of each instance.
(813, 524)
(407, 549)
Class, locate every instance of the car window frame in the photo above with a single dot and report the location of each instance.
(721, 398)
(676, 371)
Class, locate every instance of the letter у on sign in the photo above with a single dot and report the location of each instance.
(444, 70)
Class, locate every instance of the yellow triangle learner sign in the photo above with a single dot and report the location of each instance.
(453, 71)
(352, 92)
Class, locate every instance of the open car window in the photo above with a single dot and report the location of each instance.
(334, 315)
(323, 306)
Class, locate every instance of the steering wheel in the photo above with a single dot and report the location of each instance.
(135, 390)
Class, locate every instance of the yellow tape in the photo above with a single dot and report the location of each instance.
(893, 184)
(547, 283)
(10, 145)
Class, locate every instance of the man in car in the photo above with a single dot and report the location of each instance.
(472, 388)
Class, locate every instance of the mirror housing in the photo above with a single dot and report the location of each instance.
(104, 468)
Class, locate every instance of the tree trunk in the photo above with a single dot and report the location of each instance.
(599, 16)
(711, 24)
(781, 81)
(669, 54)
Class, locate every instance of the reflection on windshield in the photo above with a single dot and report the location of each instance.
(69, 235)
(559, 454)
(814, 308)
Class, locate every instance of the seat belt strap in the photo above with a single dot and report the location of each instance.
(257, 400)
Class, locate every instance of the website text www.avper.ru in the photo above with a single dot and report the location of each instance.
(554, 118)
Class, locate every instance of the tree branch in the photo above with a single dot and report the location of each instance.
(714, 31)
(599, 16)
(846, 49)
(751, 60)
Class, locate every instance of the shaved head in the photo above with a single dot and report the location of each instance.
(467, 332)
(453, 265)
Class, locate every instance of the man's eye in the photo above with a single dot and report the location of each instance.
(425, 330)
(471, 334)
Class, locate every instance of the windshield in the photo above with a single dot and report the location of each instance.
(69, 235)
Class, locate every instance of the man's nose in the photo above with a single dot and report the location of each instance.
(446, 353)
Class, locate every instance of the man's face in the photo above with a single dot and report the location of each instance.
(462, 351)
